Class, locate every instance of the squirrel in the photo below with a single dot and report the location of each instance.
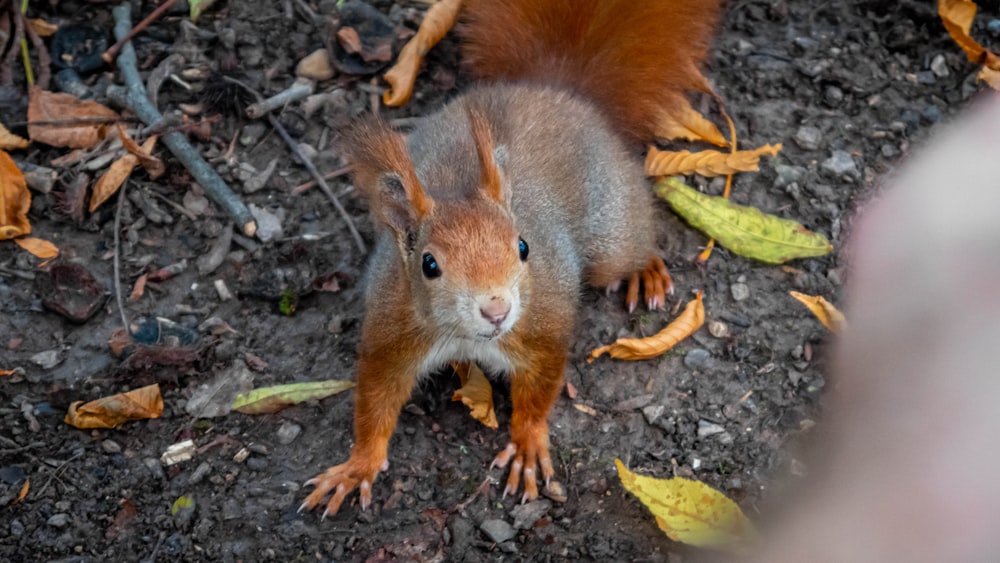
(492, 214)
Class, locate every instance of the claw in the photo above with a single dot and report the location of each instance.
(302, 506)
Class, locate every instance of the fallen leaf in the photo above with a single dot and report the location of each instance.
(439, 20)
(989, 76)
(182, 503)
(315, 66)
(125, 514)
(827, 314)
(5, 372)
(198, 7)
(689, 511)
(957, 16)
(154, 166)
(39, 247)
(24, 492)
(690, 320)
(273, 399)
(110, 181)
(744, 230)
(706, 163)
(475, 393)
(15, 200)
(570, 390)
(109, 412)
(42, 28)
(49, 106)
(138, 289)
(585, 409)
(686, 123)
(10, 141)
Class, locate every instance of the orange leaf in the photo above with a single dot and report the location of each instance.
(476, 393)
(39, 247)
(683, 326)
(154, 166)
(439, 19)
(989, 76)
(684, 122)
(138, 289)
(827, 314)
(15, 200)
(109, 412)
(5, 372)
(957, 16)
(10, 141)
(706, 163)
(110, 181)
(42, 28)
(49, 106)
(24, 492)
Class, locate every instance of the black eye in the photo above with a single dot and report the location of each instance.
(431, 269)
(522, 247)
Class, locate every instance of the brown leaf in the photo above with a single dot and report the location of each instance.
(42, 28)
(706, 163)
(109, 412)
(39, 247)
(684, 122)
(683, 326)
(957, 16)
(6, 372)
(48, 106)
(15, 200)
(989, 76)
(476, 393)
(24, 492)
(10, 141)
(827, 314)
(439, 20)
(138, 289)
(154, 166)
(125, 515)
(110, 181)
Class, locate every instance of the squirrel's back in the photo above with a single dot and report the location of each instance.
(631, 58)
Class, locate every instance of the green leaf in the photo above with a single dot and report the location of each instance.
(273, 399)
(744, 230)
(199, 6)
(182, 503)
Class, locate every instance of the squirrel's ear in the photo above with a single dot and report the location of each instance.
(490, 177)
(384, 172)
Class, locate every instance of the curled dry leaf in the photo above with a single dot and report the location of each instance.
(684, 122)
(15, 200)
(273, 399)
(690, 320)
(439, 20)
(989, 76)
(706, 163)
(42, 28)
(24, 492)
(48, 106)
(154, 166)
(109, 412)
(5, 372)
(744, 230)
(39, 247)
(689, 511)
(476, 393)
(827, 314)
(957, 16)
(110, 181)
(10, 141)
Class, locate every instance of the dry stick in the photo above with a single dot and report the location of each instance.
(133, 96)
(6, 69)
(44, 60)
(110, 55)
(298, 90)
(76, 121)
(328, 176)
(118, 285)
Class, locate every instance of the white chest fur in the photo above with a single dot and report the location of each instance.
(484, 352)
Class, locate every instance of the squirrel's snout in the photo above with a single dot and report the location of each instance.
(495, 311)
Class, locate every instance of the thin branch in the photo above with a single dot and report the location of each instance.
(44, 60)
(118, 279)
(112, 53)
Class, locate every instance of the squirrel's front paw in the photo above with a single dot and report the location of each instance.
(529, 448)
(356, 473)
(657, 283)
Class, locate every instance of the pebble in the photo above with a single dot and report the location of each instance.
(653, 412)
(231, 509)
(697, 358)
(58, 520)
(707, 428)
(931, 113)
(268, 224)
(16, 528)
(154, 467)
(926, 77)
(740, 291)
(252, 133)
(794, 376)
(993, 27)
(47, 359)
(833, 96)
(840, 163)
(788, 174)
(257, 464)
(939, 67)
(111, 447)
(718, 329)
(498, 530)
(808, 137)
(633, 403)
(288, 432)
(822, 191)
(200, 473)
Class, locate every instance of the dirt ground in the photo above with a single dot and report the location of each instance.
(849, 88)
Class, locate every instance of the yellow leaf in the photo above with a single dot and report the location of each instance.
(476, 393)
(15, 200)
(689, 511)
(957, 16)
(706, 163)
(685, 123)
(683, 326)
(747, 231)
(439, 20)
(24, 492)
(39, 247)
(989, 76)
(109, 412)
(48, 106)
(827, 314)
(110, 181)
(10, 141)
(274, 398)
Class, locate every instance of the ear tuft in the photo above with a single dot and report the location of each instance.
(491, 182)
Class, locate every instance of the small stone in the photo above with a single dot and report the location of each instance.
(939, 67)
(794, 376)
(16, 528)
(718, 329)
(740, 291)
(633, 403)
(822, 191)
(926, 77)
(498, 530)
(268, 224)
(288, 432)
(788, 175)
(241, 455)
(993, 27)
(697, 359)
(200, 473)
(257, 464)
(725, 438)
(47, 359)
(259, 180)
(707, 428)
(315, 66)
(889, 150)
(931, 113)
(833, 96)
(653, 412)
(252, 133)
(840, 163)
(231, 509)
(154, 467)
(110, 447)
(808, 137)
(58, 520)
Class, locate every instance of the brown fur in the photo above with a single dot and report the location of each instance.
(630, 57)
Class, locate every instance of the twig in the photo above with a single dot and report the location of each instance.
(62, 466)
(19, 449)
(118, 279)
(133, 96)
(298, 90)
(6, 69)
(110, 55)
(328, 176)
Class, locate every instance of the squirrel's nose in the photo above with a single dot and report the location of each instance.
(495, 311)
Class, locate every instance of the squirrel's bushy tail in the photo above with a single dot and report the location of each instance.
(633, 58)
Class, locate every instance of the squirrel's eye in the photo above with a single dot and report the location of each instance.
(431, 269)
(522, 247)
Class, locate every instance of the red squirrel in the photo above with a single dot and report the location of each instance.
(493, 213)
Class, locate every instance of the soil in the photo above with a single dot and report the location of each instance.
(847, 87)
